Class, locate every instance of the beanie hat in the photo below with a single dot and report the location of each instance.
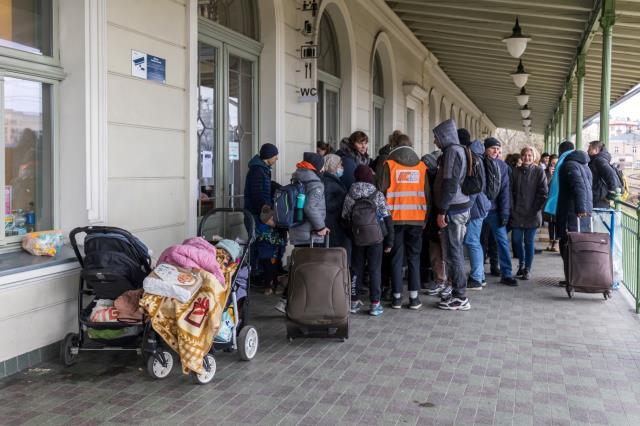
(266, 214)
(489, 142)
(363, 174)
(230, 247)
(314, 159)
(268, 150)
(464, 137)
(566, 146)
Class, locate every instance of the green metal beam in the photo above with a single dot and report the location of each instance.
(580, 74)
(607, 20)
(568, 109)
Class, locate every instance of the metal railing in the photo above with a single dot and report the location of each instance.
(630, 229)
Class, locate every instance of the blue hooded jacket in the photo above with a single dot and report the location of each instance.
(480, 203)
(257, 187)
(502, 203)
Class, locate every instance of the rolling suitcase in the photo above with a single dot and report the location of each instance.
(590, 263)
(319, 293)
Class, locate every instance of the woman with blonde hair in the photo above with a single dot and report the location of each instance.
(528, 194)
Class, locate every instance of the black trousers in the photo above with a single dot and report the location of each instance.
(371, 256)
(407, 245)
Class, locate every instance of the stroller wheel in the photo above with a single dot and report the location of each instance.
(68, 349)
(160, 366)
(248, 343)
(209, 371)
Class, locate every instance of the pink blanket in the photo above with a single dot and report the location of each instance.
(193, 253)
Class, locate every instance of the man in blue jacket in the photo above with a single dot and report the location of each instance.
(498, 216)
(479, 209)
(257, 187)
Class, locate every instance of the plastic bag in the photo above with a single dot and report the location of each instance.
(226, 328)
(43, 243)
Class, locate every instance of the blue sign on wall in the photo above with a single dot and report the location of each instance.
(156, 68)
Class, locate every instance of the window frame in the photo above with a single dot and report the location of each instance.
(330, 83)
(42, 69)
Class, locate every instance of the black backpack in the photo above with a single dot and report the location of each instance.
(492, 178)
(365, 226)
(285, 213)
(474, 179)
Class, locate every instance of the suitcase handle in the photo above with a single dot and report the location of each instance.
(590, 223)
(326, 241)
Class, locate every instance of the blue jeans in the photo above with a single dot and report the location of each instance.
(524, 242)
(500, 234)
(474, 247)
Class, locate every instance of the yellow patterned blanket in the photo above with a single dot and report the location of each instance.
(189, 328)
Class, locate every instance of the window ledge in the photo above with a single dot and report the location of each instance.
(20, 265)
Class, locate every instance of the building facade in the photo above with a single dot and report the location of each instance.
(144, 115)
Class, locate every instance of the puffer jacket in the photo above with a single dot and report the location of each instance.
(406, 156)
(447, 189)
(605, 179)
(502, 203)
(480, 203)
(361, 190)
(315, 208)
(334, 194)
(257, 187)
(528, 194)
(574, 193)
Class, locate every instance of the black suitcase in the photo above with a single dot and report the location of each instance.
(319, 293)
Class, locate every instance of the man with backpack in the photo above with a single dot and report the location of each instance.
(452, 206)
(480, 206)
(605, 177)
(365, 209)
(499, 213)
(405, 185)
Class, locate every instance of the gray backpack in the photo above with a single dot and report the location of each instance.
(365, 225)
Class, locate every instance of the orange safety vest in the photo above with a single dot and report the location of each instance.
(405, 196)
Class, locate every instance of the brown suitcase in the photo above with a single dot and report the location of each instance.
(590, 263)
(319, 293)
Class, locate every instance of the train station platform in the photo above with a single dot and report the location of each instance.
(520, 356)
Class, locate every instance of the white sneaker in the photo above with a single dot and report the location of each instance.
(281, 306)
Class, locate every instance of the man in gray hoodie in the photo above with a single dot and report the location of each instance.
(453, 208)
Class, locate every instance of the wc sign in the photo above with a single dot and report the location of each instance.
(308, 94)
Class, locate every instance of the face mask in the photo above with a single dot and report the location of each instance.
(339, 172)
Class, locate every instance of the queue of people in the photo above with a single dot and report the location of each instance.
(401, 210)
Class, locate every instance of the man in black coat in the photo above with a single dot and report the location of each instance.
(575, 198)
(257, 187)
(605, 179)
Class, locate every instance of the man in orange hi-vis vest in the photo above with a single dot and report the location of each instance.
(404, 182)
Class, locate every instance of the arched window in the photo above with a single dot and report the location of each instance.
(328, 108)
(378, 104)
(240, 16)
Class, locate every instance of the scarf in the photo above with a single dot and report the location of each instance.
(554, 188)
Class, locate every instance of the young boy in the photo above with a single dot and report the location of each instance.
(270, 246)
(362, 196)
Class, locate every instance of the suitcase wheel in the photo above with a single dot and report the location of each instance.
(607, 294)
(569, 291)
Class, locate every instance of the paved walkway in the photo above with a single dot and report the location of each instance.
(525, 355)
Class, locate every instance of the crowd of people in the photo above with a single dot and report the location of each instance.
(401, 216)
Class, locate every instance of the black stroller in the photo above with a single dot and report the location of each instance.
(242, 337)
(114, 262)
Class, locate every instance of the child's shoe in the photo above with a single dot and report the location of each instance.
(376, 309)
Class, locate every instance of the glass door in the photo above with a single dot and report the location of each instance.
(241, 142)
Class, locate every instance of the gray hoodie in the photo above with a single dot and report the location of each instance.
(447, 188)
(315, 209)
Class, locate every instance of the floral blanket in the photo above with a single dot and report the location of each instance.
(189, 328)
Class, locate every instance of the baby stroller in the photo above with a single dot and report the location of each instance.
(114, 262)
(241, 336)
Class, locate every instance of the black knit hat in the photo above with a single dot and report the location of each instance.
(268, 150)
(489, 142)
(314, 159)
(464, 137)
(363, 173)
(566, 146)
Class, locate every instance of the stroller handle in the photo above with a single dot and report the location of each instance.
(249, 222)
(146, 261)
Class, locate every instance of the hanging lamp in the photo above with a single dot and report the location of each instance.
(516, 42)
